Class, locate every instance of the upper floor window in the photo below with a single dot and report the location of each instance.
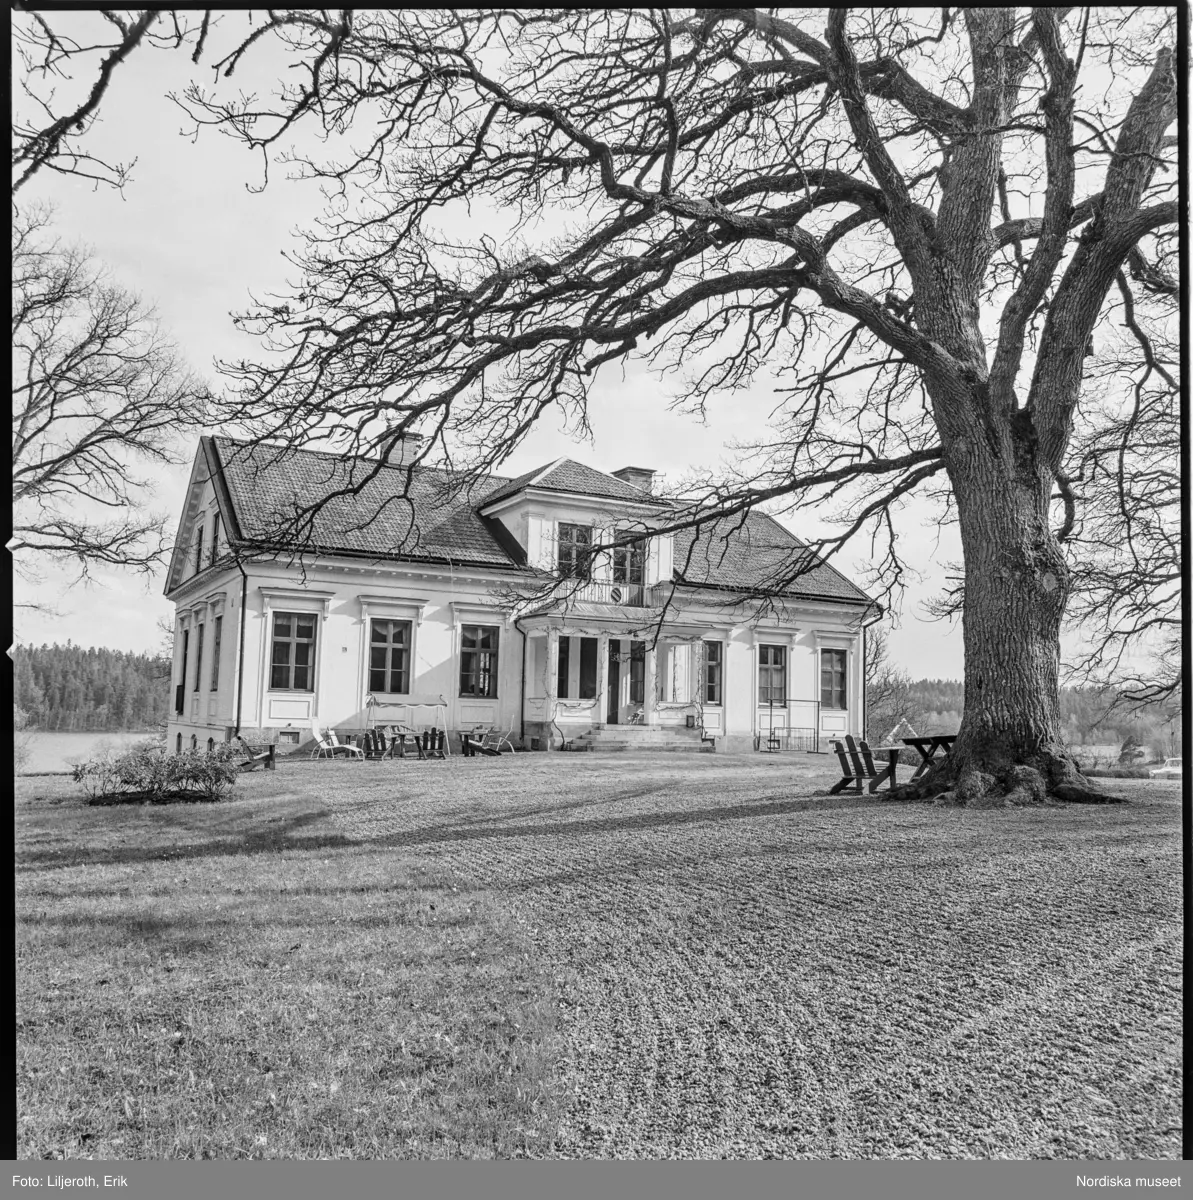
(199, 546)
(832, 679)
(772, 674)
(478, 660)
(575, 550)
(629, 563)
(389, 657)
(215, 538)
(713, 652)
(292, 663)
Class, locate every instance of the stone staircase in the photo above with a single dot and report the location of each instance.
(655, 738)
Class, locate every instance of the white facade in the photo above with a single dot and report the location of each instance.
(331, 604)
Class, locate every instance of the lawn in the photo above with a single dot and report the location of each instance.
(596, 956)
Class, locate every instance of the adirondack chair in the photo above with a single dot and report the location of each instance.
(481, 740)
(858, 768)
(263, 756)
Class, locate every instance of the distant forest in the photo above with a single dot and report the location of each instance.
(937, 705)
(81, 689)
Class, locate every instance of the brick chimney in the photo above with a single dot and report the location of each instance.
(405, 449)
(639, 477)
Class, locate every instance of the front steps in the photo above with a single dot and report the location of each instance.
(661, 738)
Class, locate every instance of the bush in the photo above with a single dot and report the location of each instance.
(145, 772)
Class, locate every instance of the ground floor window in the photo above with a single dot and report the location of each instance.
(478, 661)
(637, 672)
(772, 674)
(389, 657)
(217, 633)
(832, 679)
(588, 668)
(292, 664)
(565, 667)
(198, 658)
(713, 652)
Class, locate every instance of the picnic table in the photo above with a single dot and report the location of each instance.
(928, 747)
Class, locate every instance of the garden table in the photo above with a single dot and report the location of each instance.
(928, 746)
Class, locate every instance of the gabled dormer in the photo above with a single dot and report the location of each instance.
(556, 513)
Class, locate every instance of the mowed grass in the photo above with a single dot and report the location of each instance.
(239, 980)
(675, 956)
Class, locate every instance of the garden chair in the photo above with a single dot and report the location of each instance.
(858, 768)
(328, 745)
(264, 756)
(494, 740)
(474, 741)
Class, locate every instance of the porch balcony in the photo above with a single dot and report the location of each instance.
(624, 595)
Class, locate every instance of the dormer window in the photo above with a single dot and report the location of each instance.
(575, 550)
(629, 563)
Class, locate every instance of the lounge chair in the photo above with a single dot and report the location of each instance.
(328, 745)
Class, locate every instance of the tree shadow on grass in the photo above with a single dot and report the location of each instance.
(281, 836)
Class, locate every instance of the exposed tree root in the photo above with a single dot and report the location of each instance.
(996, 782)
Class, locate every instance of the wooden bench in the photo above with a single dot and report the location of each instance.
(857, 767)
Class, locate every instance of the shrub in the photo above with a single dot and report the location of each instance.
(147, 772)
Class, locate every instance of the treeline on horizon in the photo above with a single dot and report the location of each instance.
(90, 689)
(938, 704)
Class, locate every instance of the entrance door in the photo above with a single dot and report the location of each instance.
(614, 696)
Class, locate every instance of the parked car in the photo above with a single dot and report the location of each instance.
(1170, 770)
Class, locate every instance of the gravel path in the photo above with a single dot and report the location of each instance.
(748, 970)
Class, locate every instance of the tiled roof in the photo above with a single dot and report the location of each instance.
(751, 556)
(566, 475)
(266, 484)
(439, 521)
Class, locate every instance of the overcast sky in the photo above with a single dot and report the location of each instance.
(189, 236)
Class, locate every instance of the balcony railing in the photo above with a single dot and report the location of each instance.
(627, 595)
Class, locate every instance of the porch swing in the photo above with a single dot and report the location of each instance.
(401, 719)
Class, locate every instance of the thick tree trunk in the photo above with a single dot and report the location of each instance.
(1008, 749)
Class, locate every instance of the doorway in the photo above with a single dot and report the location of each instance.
(613, 696)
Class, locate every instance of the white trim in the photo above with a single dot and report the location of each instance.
(315, 600)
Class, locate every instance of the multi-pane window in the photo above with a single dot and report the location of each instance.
(575, 550)
(198, 658)
(478, 660)
(629, 563)
(292, 664)
(216, 635)
(565, 667)
(772, 674)
(215, 538)
(637, 672)
(389, 657)
(178, 694)
(712, 672)
(832, 679)
(588, 668)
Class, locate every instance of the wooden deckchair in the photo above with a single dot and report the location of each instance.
(858, 768)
